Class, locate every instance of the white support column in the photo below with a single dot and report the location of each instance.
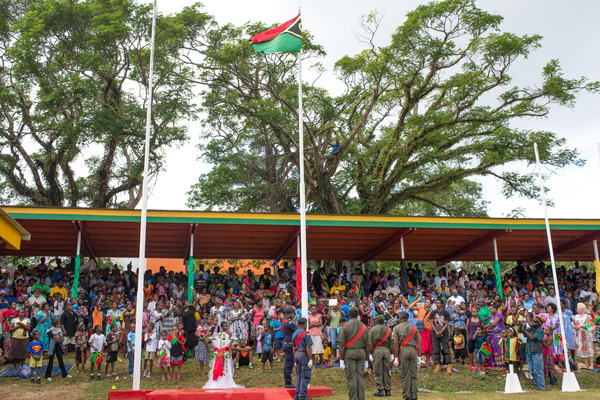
(402, 248)
(495, 250)
(79, 243)
(596, 250)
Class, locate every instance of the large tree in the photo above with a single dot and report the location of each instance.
(417, 119)
(73, 91)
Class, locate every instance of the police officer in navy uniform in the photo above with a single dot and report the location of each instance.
(303, 359)
(287, 329)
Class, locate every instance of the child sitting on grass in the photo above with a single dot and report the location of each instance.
(326, 352)
(243, 355)
(35, 356)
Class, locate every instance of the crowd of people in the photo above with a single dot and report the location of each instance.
(461, 317)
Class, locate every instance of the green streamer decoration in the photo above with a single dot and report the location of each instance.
(498, 279)
(76, 278)
(190, 279)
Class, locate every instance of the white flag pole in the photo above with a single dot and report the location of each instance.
(137, 361)
(302, 191)
(569, 383)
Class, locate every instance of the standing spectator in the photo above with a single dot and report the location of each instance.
(68, 321)
(314, 329)
(584, 338)
(19, 329)
(494, 331)
(55, 333)
(35, 350)
(440, 336)
(534, 351)
(44, 319)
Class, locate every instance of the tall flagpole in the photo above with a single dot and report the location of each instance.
(570, 383)
(302, 191)
(137, 361)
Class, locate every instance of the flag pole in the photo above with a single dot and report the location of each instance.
(569, 383)
(137, 360)
(302, 191)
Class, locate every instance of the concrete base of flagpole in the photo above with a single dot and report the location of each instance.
(512, 384)
(569, 382)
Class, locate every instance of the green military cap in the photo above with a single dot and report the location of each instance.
(354, 309)
(381, 317)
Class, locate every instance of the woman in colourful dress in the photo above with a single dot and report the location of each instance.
(494, 332)
(44, 319)
(552, 321)
(584, 338)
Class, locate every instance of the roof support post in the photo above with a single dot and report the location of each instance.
(293, 236)
(80, 226)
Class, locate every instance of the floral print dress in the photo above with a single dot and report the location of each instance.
(584, 339)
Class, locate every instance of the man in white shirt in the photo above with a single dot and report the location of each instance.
(585, 293)
(437, 281)
(36, 301)
(455, 298)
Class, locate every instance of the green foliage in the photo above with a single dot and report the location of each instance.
(74, 88)
(417, 120)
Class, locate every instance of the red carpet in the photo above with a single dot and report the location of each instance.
(224, 394)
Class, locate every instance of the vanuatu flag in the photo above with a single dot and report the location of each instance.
(162, 355)
(486, 349)
(97, 358)
(590, 326)
(558, 339)
(285, 37)
(172, 338)
(506, 291)
(356, 290)
(596, 319)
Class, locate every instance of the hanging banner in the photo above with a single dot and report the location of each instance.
(403, 278)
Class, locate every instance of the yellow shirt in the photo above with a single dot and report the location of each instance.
(338, 288)
(327, 353)
(62, 291)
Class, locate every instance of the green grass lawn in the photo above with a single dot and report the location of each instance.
(447, 386)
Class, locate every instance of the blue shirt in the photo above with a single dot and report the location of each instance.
(130, 341)
(36, 348)
(267, 341)
(276, 325)
(336, 148)
(304, 343)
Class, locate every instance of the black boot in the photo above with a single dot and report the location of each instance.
(379, 394)
(387, 393)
